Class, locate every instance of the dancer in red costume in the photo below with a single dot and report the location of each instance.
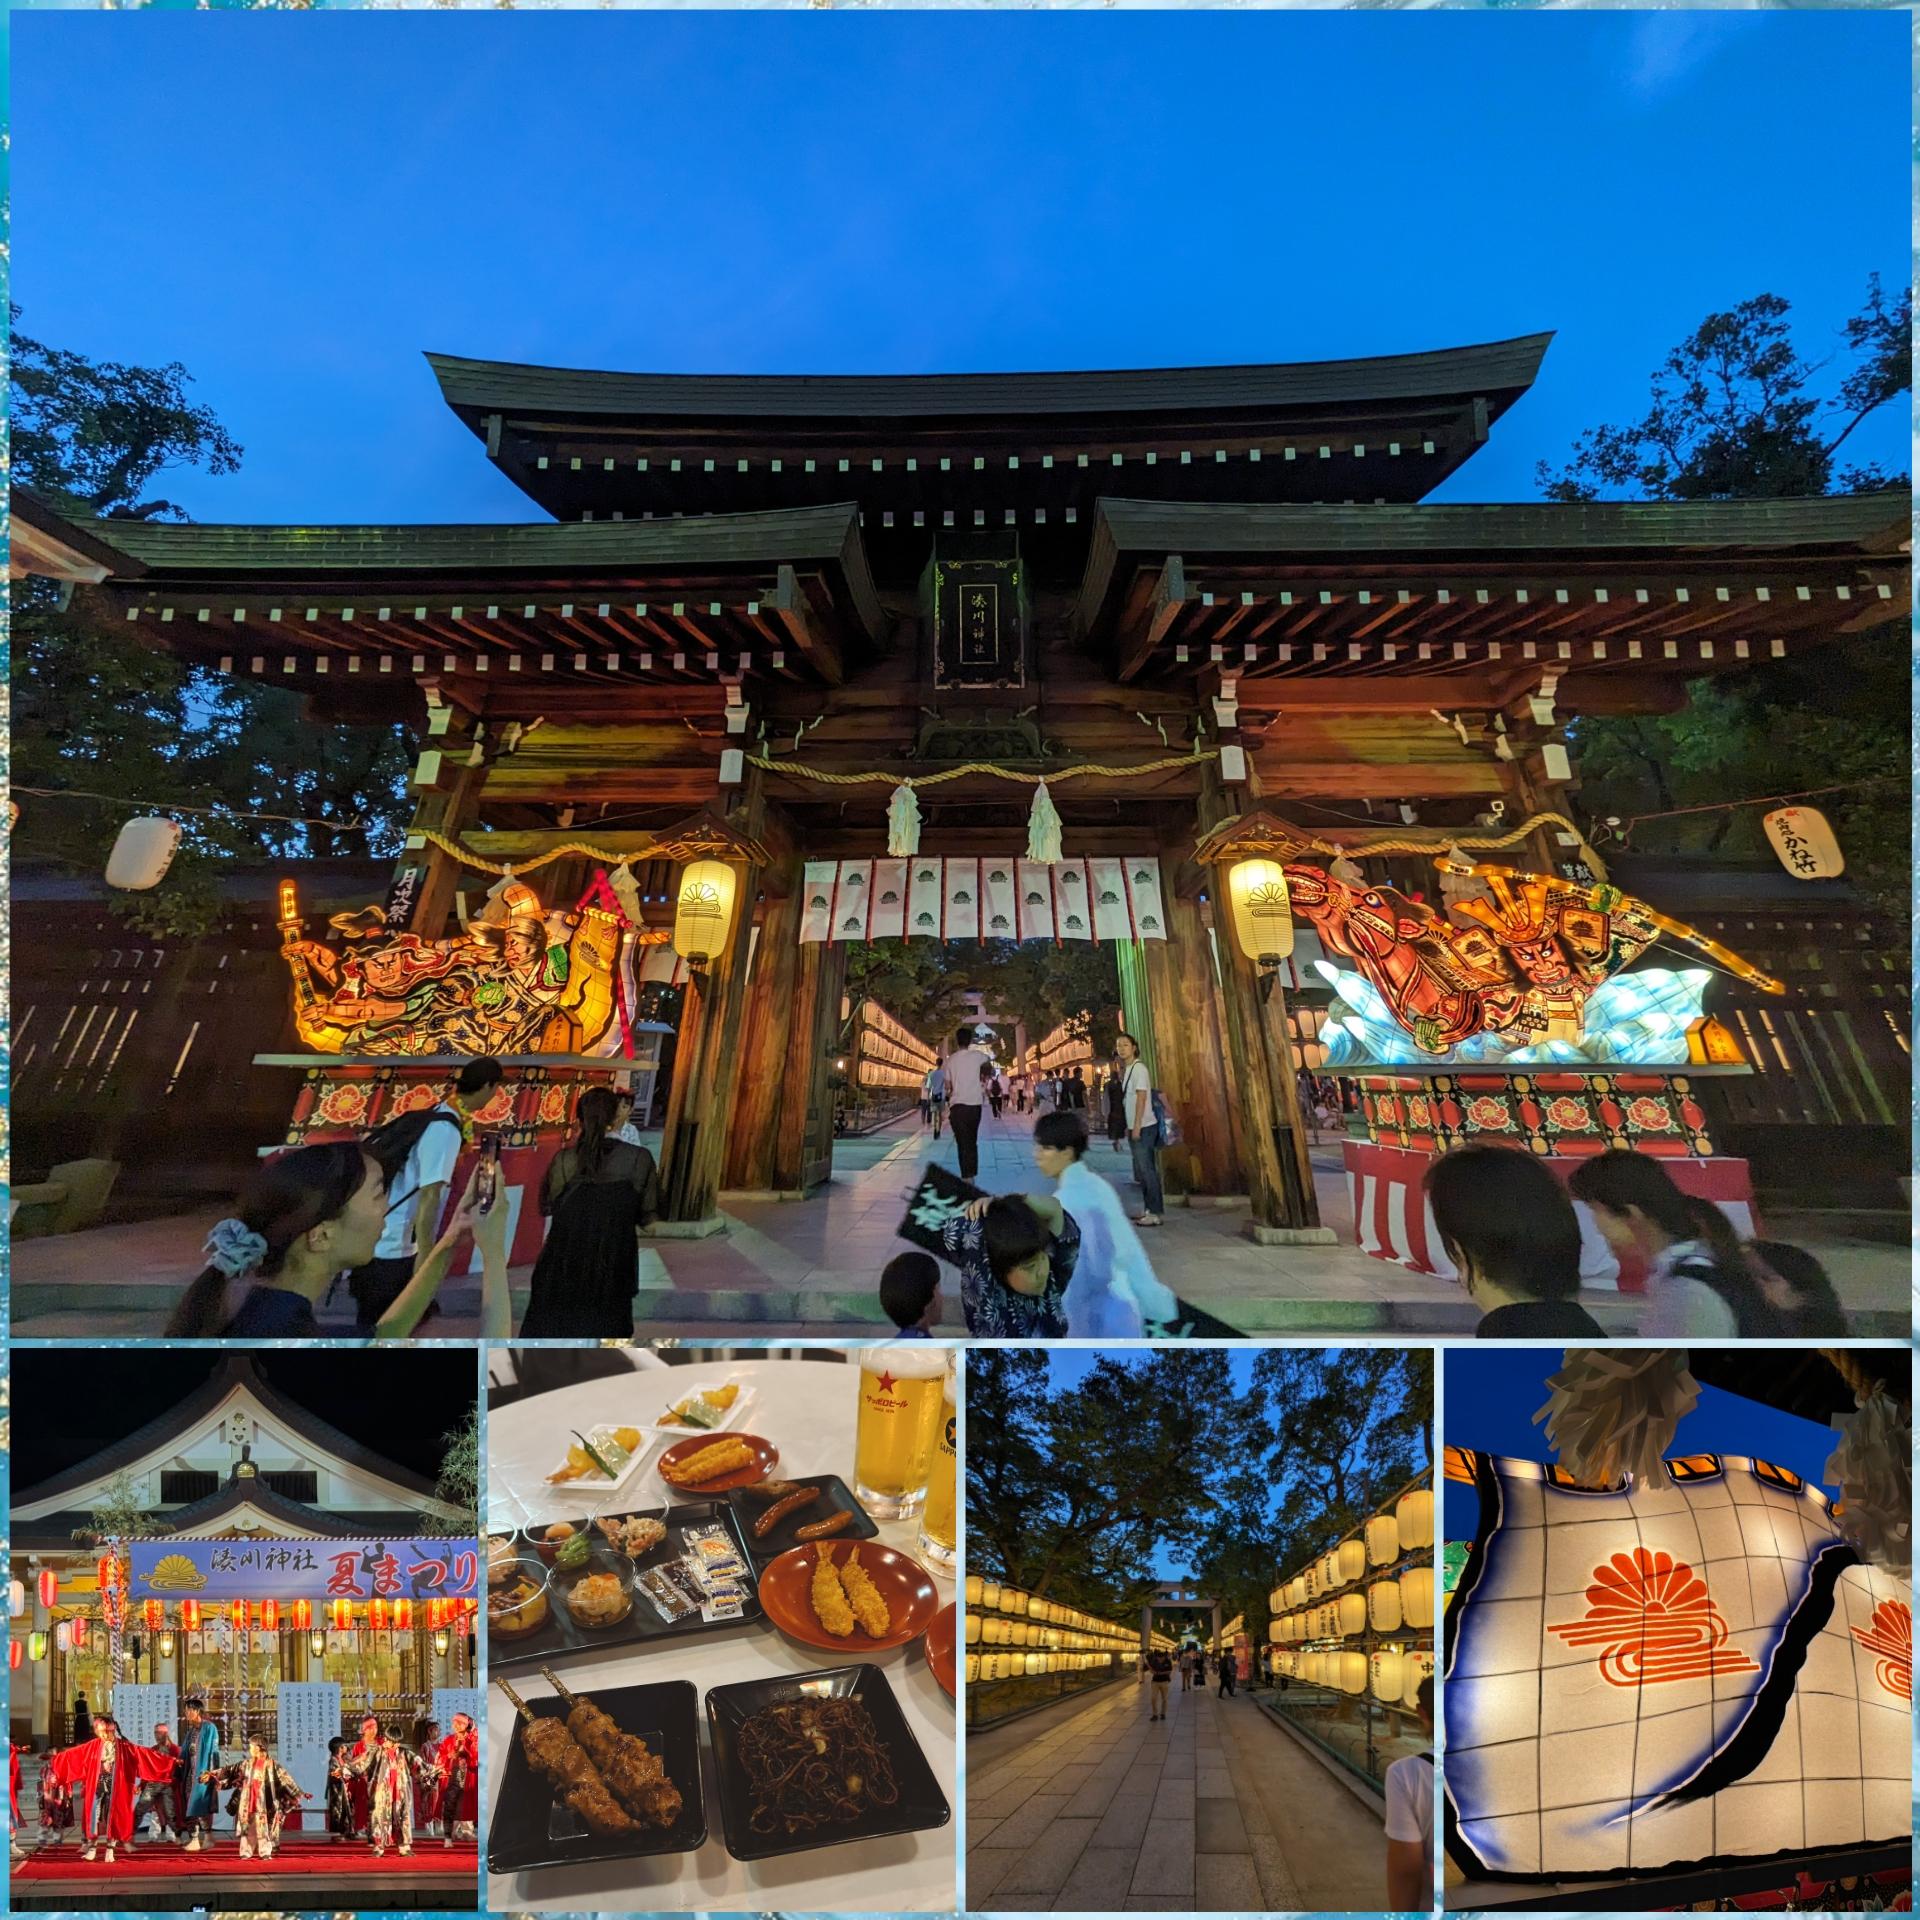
(14, 1848)
(103, 1773)
(459, 1764)
(426, 1782)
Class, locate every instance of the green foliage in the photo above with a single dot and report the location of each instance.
(1074, 1494)
(459, 1483)
(99, 710)
(119, 1514)
(1736, 415)
(924, 983)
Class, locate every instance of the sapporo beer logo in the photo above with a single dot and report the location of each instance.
(946, 1439)
(1891, 1637)
(1653, 1620)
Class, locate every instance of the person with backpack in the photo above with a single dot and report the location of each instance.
(1114, 1293)
(1143, 1128)
(598, 1193)
(417, 1153)
(1699, 1283)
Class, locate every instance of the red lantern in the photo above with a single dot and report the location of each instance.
(49, 1586)
(106, 1572)
(15, 1654)
(403, 1615)
(113, 1607)
(270, 1615)
(377, 1614)
(342, 1613)
(154, 1612)
(190, 1615)
(302, 1615)
(78, 1640)
(438, 1614)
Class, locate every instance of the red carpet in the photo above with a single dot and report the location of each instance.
(293, 1858)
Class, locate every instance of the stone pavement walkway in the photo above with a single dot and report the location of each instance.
(813, 1266)
(1093, 1808)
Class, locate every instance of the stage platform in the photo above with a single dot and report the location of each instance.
(303, 1875)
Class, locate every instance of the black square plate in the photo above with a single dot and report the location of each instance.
(643, 1627)
(835, 1497)
(533, 1829)
(920, 1804)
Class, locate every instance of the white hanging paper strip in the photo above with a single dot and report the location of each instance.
(1111, 920)
(963, 899)
(1072, 903)
(887, 917)
(997, 894)
(1144, 899)
(924, 900)
(851, 902)
(1035, 886)
(816, 913)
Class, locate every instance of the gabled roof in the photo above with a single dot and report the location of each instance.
(52, 1532)
(474, 388)
(233, 1370)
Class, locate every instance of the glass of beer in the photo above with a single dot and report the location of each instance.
(938, 1542)
(901, 1394)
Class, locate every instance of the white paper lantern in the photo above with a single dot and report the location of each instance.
(1352, 1613)
(1389, 1675)
(142, 852)
(1353, 1559)
(1297, 1591)
(1352, 1671)
(973, 1668)
(1413, 1514)
(1416, 1667)
(1383, 1540)
(973, 1629)
(1311, 1579)
(990, 1594)
(1416, 1596)
(1803, 837)
(1383, 1606)
(975, 1587)
(1330, 1574)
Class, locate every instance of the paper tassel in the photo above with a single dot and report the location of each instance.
(903, 822)
(1346, 873)
(1043, 828)
(1873, 1468)
(1617, 1412)
(620, 879)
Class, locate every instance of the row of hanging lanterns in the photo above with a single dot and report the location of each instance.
(1392, 1674)
(1386, 1606)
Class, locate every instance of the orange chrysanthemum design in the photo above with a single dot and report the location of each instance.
(1891, 1636)
(1653, 1619)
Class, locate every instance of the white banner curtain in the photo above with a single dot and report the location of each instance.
(983, 897)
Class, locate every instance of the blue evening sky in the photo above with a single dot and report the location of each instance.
(1492, 1394)
(294, 206)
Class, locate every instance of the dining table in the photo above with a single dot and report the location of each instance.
(807, 1408)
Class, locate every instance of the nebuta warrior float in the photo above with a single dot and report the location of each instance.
(264, 1793)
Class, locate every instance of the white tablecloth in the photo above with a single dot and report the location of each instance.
(807, 1408)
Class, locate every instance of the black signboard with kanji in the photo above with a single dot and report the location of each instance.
(979, 623)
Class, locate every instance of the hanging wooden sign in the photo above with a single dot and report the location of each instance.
(1803, 837)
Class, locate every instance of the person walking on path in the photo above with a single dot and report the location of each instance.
(1186, 1668)
(1409, 1785)
(1143, 1130)
(967, 1069)
(1228, 1661)
(1160, 1673)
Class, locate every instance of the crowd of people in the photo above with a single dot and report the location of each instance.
(1513, 1233)
(104, 1789)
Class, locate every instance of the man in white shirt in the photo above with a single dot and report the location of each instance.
(1410, 1821)
(1143, 1130)
(967, 1066)
(417, 1192)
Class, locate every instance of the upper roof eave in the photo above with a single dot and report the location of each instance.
(475, 388)
(79, 532)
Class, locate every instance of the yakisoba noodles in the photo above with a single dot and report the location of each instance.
(814, 1763)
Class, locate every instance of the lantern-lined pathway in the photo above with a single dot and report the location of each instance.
(813, 1266)
(1092, 1807)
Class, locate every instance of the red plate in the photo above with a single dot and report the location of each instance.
(766, 1456)
(786, 1590)
(940, 1638)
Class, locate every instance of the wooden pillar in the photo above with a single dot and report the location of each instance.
(447, 794)
(780, 1133)
(1190, 1055)
(706, 1065)
(1273, 1135)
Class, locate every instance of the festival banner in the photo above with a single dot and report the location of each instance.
(997, 907)
(925, 898)
(851, 901)
(1035, 885)
(816, 919)
(1073, 906)
(963, 899)
(887, 915)
(1111, 921)
(305, 1569)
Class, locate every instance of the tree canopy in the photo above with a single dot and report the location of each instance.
(1739, 412)
(99, 711)
(1077, 1493)
(924, 983)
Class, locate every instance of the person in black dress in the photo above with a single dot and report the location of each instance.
(598, 1193)
(1510, 1230)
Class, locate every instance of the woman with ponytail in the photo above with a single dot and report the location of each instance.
(310, 1216)
(597, 1194)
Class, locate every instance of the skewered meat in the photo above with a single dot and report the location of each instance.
(558, 1758)
(631, 1769)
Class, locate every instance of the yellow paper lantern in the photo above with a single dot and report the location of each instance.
(1413, 1515)
(1353, 1559)
(1383, 1539)
(1383, 1606)
(1414, 1668)
(1389, 1675)
(1351, 1672)
(973, 1630)
(990, 1594)
(1351, 1613)
(1262, 914)
(975, 1587)
(1803, 837)
(973, 1668)
(703, 911)
(1416, 1596)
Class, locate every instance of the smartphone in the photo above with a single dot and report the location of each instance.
(488, 1189)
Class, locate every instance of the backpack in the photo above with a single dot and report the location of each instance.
(391, 1144)
(1164, 1120)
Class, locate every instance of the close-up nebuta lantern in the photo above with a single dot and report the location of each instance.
(1661, 1675)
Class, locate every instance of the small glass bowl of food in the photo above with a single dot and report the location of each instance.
(563, 1544)
(598, 1593)
(521, 1602)
(632, 1536)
